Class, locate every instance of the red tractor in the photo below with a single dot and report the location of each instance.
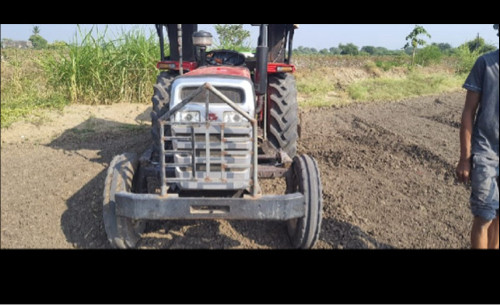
(220, 121)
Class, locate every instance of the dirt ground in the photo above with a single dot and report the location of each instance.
(387, 171)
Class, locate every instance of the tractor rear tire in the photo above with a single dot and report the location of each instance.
(283, 113)
(304, 178)
(122, 232)
(161, 104)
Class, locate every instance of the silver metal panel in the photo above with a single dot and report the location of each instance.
(154, 207)
(241, 83)
(228, 130)
(223, 152)
(239, 175)
(243, 146)
(241, 160)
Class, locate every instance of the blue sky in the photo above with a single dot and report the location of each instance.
(391, 36)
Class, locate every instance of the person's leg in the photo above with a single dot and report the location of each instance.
(484, 202)
(479, 233)
(493, 234)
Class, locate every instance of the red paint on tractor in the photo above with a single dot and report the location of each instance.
(221, 70)
(174, 65)
(212, 117)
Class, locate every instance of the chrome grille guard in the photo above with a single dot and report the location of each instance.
(165, 120)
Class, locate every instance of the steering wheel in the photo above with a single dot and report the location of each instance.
(225, 57)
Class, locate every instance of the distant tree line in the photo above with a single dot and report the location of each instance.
(478, 44)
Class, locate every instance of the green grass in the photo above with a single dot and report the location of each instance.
(387, 65)
(25, 92)
(330, 81)
(314, 82)
(415, 84)
(465, 59)
(318, 87)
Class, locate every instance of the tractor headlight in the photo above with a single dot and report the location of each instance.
(187, 116)
(232, 117)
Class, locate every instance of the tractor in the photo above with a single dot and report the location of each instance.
(221, 120)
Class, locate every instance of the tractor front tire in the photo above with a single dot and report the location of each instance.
(161, 104)
(122, 232)
(304, 178)
(283, 113)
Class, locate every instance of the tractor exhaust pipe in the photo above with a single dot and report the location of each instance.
(262, 56)
(159, 31)
(179, 42)
(290, 44)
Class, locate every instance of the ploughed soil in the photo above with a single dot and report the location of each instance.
(387, 171)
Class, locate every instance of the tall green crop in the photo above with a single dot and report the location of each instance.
(97, 70)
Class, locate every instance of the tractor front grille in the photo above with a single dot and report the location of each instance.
(210, 154)
(222, 164)
(234, 94)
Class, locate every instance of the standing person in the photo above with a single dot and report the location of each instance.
(479, 149)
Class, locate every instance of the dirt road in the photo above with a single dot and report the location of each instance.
(387, 172)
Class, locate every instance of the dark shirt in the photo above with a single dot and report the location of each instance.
(483, 78)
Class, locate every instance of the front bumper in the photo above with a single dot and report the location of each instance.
(155, 207)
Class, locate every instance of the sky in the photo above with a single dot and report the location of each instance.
(319, 36)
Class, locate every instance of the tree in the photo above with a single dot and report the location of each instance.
(334, 51)
(429, 55)
(395, 52)
(303, 50)
(444, 47)
(478, 44)
(36, 30)
(232, 37)
(299, 50)
(348, 49)
(306, 50)
(382, 51)
(408, 51)
(369, 49)
(414, 41)
(38, 41)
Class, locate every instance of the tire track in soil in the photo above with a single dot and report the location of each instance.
(387, 174)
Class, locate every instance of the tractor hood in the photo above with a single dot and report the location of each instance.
(220, 70)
